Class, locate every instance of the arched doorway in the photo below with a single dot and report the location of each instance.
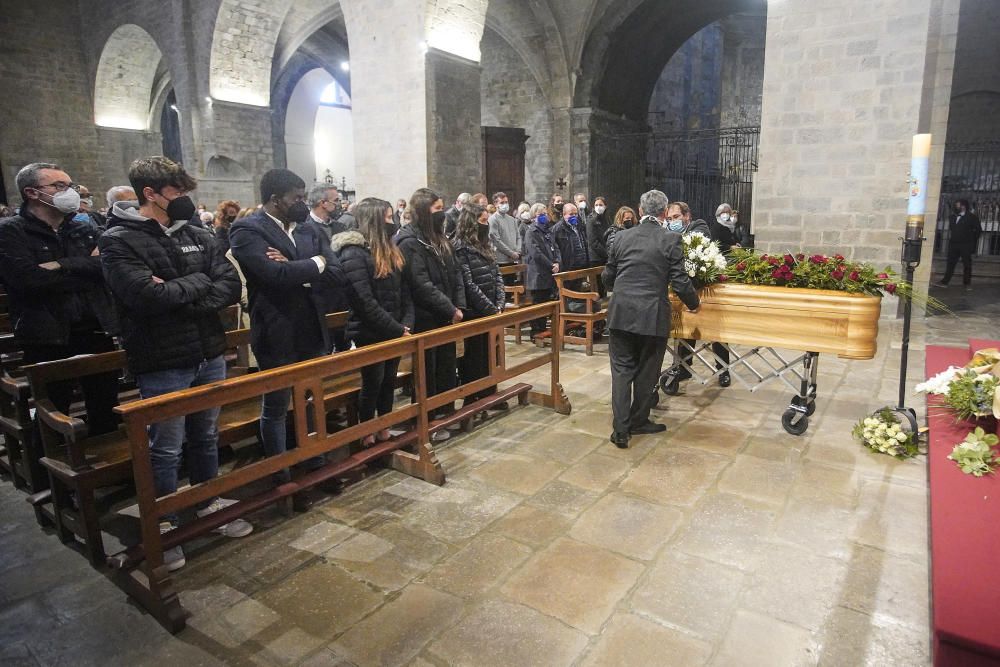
(319, 133)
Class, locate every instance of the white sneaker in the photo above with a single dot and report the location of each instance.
(172, 558)
(237, 528)
(440, 436)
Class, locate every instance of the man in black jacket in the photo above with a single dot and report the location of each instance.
(287, 264)
(170, 280)
(59, 306)
(643, 262)
(323, 199)
(965, 229)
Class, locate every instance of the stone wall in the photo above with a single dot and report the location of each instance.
(687, 94)
(742, 78)
(511, 97)
(454, 125)
(843, 91)
(976, 89)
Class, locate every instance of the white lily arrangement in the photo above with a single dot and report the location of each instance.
(703, 261)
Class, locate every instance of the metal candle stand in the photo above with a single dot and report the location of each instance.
(912, 246)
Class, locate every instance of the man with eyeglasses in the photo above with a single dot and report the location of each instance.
(86, 212)
(59, 305)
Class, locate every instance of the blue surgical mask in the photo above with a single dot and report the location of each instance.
(675, 225)
(81, 217)
(543, 219)
(573, 220)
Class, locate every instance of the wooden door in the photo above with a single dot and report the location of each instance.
(503, 162)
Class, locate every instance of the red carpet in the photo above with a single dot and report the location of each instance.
(965, 537)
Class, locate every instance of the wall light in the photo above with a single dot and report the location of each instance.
(121, 122)
(174, 107)
(423, 47)
(346, 66)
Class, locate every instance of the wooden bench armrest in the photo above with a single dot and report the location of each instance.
(72, 428)
(587, 296)
(15, 386)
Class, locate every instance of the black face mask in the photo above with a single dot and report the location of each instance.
(483, 231)
(438, 219)
(298, 212)
(628, 223)
(230, 218)
(181, 208)
(558, 208)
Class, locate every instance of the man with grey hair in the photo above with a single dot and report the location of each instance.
(643, 262)
(323, 199)
(347, 219)
(451, 215)
(119, 193)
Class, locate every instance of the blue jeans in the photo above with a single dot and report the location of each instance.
(166, 438)
(273, 434)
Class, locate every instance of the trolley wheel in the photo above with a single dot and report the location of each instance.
(665, 379)
(797, 428)
(809, 402)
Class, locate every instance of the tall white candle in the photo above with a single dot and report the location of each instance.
(919, 168)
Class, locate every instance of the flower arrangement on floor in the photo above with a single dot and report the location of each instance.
(703, 261)
(970, 391)
(882, 432)
(814, 272)
(975, 455)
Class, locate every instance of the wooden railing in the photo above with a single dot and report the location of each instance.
(152, 588)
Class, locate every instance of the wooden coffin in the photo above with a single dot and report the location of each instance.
(783, 317)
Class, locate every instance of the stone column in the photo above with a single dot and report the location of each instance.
(844, 89)
(454, 125)
(619, 173)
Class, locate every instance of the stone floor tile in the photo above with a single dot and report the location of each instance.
(727, 529)
(595, 472)
(483, 562)
(326, 657)
(322, 600)
(796, 586)
(518, 474)
(712, 436)
(759, 479)
(503, 634)
(853, 638)
(828, 484)
(532, 525)
(394, 634)
(820, 527)
(631, 640)
(891, 587)
(288, 649)
(627, 525)
(691, 593)
(675, 475)
(754, 640)
(388, 556)
(562, 498)
(561, 444)
(322, 537)
(892, 517)
(577, 583)
(466, 507)
(772, 450)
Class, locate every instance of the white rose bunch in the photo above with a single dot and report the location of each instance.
(703, 261)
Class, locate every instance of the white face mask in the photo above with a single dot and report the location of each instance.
(600, 209)
(724, 217)
(66, 201)
(503, 208)
(525, 216)
(725, 221)
(582, 205)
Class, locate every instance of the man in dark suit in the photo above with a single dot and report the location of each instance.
(287, 264)
(643, 262)
(965, 229)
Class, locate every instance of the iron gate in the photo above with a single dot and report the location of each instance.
(971, 171)
(706, 168)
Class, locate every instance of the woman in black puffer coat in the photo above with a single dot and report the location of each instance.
(484, 293)
(436, 285)
(381, 308)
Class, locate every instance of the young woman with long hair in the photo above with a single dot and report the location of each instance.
(484, 293)
(625, 218)
(381, 308)
(436, 285)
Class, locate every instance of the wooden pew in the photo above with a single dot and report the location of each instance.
(594, 312)
(517, 295)
(16, 455)
(140, 569)
(78, 464)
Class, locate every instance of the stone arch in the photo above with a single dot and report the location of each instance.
(456, 27)
(630, 42)
(243, 44)
(126, 72)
